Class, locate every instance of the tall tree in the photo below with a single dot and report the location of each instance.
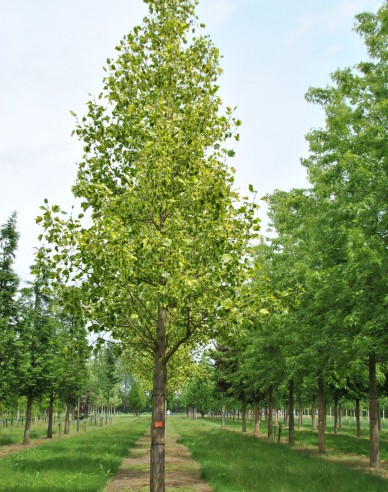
(168, 232)
(9, 283)
(348, 169)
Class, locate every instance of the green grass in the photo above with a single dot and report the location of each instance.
(233, 462)
(343, 442)
(14, 434)
(83, 462)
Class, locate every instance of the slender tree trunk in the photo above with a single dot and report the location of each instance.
(256, 413)
(313, 415)
(157, 475)
(291, 429)
(223, 413)
(373, 415)
(270, 411)
(358, 423)
(339, 417)
(335, 413)
(300, 413)
(26, 437)
(50, 416)
(244, 417)
(321, 415)
(66, 429)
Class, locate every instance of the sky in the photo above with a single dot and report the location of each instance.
(51, 58)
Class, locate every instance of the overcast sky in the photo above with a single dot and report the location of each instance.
(51, 58)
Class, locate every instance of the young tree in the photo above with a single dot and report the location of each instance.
(167, 238)
(9, 283)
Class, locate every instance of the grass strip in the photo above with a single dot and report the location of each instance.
(83, 462)
(233, 462)
(343, 442)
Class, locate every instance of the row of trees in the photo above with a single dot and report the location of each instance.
(45, 356)
(321, 276)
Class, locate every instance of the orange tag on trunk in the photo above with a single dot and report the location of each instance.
(159, 423)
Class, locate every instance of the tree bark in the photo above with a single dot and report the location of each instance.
(256, 413)
(373, 415)
(244, 417)
(321, 415)
(291, 429)
(157, 472)
(300, 413)
(335, 413)
(26, 437)
(50, 416)
(270, 411)
(66, 429)
(313, 415)
(358, 422)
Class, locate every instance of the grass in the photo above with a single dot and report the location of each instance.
(343, 442)
(233, 462)
(83, 462)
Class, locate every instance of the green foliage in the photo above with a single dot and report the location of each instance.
(136, 398)
(8, 306)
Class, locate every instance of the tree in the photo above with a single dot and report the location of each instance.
(348, 169)
(9, 283)
(136, 398)
(166, 245)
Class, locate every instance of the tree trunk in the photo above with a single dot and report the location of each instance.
(257, 419)
(270, 410)
(339, 417)
(223, 415)
(26, 437)
(373, 415)
(66, 429)
(300, 413)
(321, 415)
(157, 472)
(358, 423)
(244, 417)
(313, 415)
(291, 432)
(335, 413)
(50, 416)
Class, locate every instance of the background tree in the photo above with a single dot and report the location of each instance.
(9, 283)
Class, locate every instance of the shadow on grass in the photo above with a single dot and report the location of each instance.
(78, 463)
(234, 462)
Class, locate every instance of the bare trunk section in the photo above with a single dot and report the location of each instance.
(157, 472)
(321, 415)
(291, 431)
(244, 417)
(300, 413)
(256, 413)
(270, 411)
(26, 437)
(373, 415)
(66, 429)
(358, 422)
(50, 416)
(313, 415)
(335, 413)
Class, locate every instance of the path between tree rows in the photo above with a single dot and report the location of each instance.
(182, 472)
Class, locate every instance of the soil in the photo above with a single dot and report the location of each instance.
(182, 472)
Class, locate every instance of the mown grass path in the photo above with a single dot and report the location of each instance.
(236, 462)
(83, 462)
(182, 472)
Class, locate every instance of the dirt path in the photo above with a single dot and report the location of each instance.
(182, 472)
